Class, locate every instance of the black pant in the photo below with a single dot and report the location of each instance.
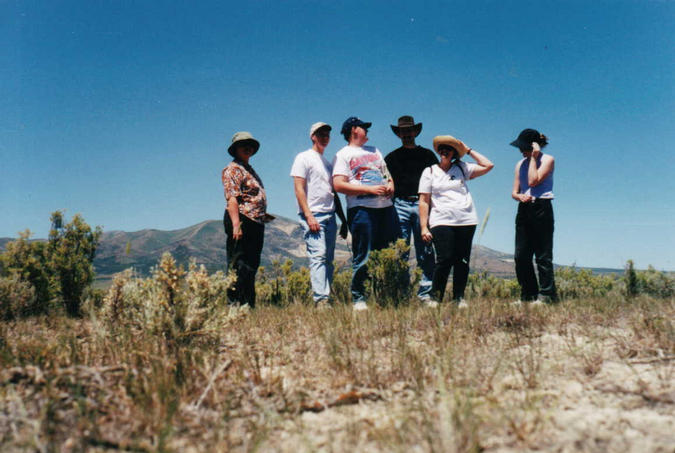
(534, 236)
(453, 249)
(243, 256)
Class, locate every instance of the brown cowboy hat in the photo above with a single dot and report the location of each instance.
(407, 121)
(452, 142)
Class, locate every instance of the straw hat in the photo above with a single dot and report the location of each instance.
(451, 141)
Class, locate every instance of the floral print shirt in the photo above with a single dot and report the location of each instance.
(243, 183)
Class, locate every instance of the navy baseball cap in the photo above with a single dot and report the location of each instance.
(353, 121)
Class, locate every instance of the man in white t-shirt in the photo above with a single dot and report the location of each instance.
(360, 173)
(317, 204)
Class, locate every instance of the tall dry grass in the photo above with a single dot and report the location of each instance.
(166, 365)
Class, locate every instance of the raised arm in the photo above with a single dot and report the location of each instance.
(516, 187)
(537, 173)
(484, 164)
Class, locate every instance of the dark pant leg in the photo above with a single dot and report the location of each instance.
(524, 253)
(444, 246)
(460, 273)
(243, 257)
(385, 227)
(543, 225)
(360, 226)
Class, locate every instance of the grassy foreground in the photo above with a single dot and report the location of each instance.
(586, 375)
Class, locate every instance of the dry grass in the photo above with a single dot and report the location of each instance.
(588, 375)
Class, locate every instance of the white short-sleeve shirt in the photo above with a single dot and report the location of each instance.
(363, 165)
(317, 172)
(451, 201)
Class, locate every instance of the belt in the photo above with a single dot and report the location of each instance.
(410, 198)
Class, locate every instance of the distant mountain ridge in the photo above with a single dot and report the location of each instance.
(205, 241)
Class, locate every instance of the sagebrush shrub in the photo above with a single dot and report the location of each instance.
(60, 269)
(389, 274)
(16, 297)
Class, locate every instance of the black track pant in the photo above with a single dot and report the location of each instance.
(534, 237)
(243, 256)
(452, 245)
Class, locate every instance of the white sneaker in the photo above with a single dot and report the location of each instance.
(462, 304)
(537, 303)
(516, 303)
(431, 303)
(360, 306)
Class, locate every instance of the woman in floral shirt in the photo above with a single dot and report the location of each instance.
(244, 217)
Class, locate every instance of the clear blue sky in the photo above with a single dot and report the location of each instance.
(122, 110)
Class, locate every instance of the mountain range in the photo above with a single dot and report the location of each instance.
(205, 242)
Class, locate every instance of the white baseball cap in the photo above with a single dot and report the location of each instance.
(316, 126)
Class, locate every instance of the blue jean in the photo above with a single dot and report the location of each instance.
(409, 220)
(321, 252)
(371, 229)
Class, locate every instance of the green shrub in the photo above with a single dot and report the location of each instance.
(573, 283)
(60, 269)
(70, 252)
(655, 283)
(389, 274)
(27, 261)
(342, 283)
(16, 297)
(282, 285)
(630, 280)
(484, 285)
(176, 305)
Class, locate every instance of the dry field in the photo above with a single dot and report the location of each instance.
(586, 375)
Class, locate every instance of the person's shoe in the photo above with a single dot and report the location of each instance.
(360, 306)
(462, 303)
(516, 303)
(537, 303)
(431, 303)
(323, 304)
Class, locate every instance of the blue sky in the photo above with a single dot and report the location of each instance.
(122, 110)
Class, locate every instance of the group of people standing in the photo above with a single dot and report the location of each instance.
(408, 194)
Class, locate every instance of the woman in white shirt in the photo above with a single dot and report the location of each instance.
(447, 214)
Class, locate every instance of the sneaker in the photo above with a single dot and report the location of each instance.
(323, 304)
(431, 303)
(360, 306)
(516, 303)
(537, 303)
(462, 304)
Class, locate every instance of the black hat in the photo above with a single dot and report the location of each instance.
(353, 121)
(526, 137)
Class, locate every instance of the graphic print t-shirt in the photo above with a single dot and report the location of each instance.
(363, 166)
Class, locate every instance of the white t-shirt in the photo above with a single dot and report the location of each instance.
(316, 170)
(451, 202)
(365, 166)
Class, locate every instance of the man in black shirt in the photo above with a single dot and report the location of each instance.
(405, 165)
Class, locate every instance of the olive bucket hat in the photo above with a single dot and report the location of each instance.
(243, 136)
(454, 143)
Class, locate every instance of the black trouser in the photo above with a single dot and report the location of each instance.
(452, 245)
(243, 256)
(534, 236)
